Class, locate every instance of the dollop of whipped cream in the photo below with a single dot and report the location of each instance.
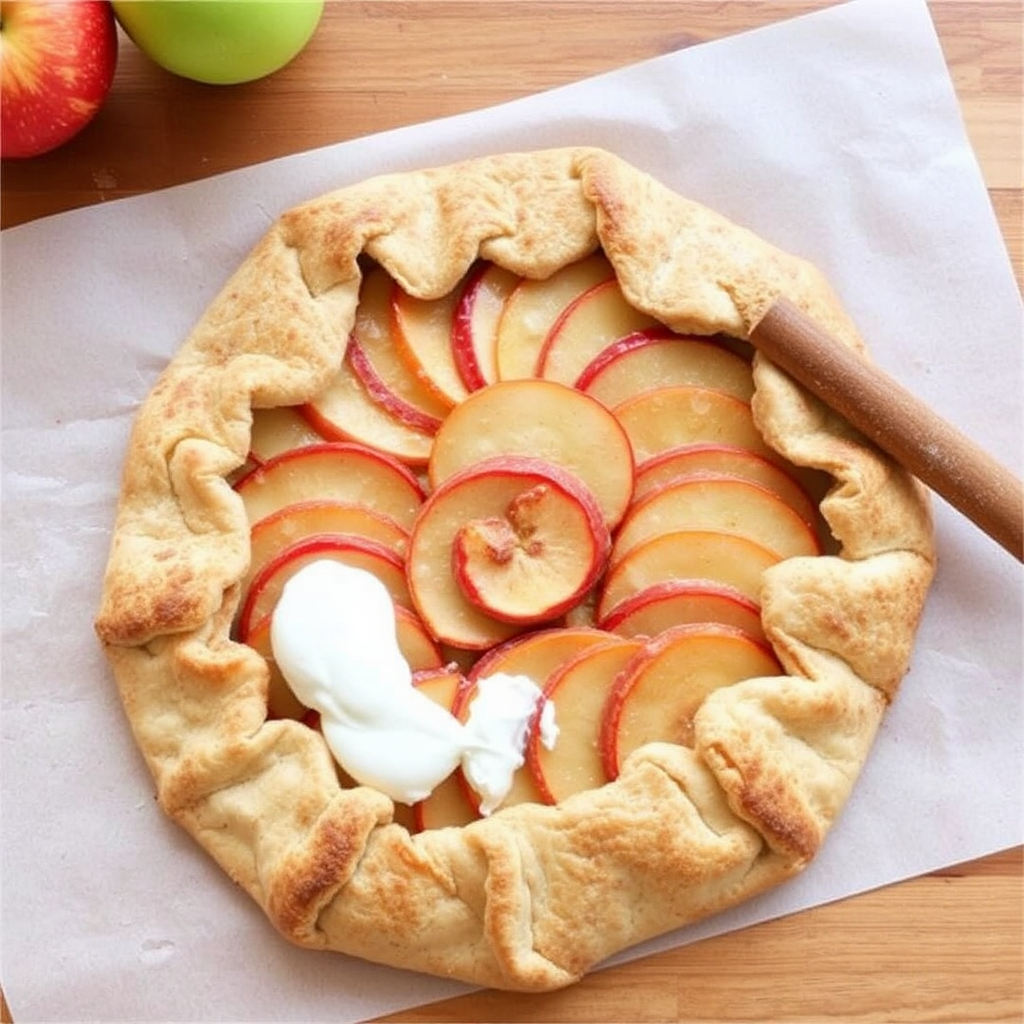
(333, 637)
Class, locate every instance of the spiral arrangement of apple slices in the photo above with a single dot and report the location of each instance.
(549, 483)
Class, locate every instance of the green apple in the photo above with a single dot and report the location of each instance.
(220, 42)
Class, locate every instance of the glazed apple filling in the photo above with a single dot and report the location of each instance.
(549, 483)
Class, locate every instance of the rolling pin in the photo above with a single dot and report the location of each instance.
(898, 422)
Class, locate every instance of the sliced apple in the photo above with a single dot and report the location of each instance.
(720, 503)
(579, 689)
(544, 419)
(281, 702)
(458, 584)
(475, 325)
(344, 472)
(723, 460)
(346, 411)
(592, 322)
(541, 555)
(532, 309)
(447, 806)
(523, 789)
(416, 643)
(265, 591)
(658, 693)
(308, 518)
(672, 602)
(383, 392)
(376, 361)
(657, 358)
(422, 331)
(277, 430)
(681, 414)
(536, 655)
(732, 560)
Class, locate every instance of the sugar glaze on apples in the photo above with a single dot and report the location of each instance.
(588, 508)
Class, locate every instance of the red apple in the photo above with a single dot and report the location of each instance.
(57, 62)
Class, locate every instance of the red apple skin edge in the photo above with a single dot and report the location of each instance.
(57, 62)
(463, 350)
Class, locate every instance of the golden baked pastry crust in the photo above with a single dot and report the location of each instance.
(533, 896)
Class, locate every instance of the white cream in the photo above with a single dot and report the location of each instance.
(333, 637)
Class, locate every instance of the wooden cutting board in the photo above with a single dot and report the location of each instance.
(945, 947)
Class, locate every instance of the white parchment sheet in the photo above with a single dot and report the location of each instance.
(836, 136)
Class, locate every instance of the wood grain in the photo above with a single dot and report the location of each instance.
(945, 947)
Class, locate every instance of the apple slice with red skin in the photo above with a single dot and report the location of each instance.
(422, 332)
(720, 503)
(440, 577)
(532, 309)
(690, 460)
(376, 361)
(265, 590)
(542, 419)
(475, 324)
(339, 471)
(415, 643)
(580, 689)
(535, 655)
(447, 806)
(729, 559)
(658, 693)
(540, 556)
(672, 602)
(382, 392)
(523, 789)
(591, 323)
(308, 518)
(346, 411)
(657, 358)
(679, 414)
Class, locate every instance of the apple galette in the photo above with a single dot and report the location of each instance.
(479, 600)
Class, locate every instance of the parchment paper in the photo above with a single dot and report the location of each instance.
(836, 136)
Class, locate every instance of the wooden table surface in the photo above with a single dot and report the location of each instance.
(944, 947)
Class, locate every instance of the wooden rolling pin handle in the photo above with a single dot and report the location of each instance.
(899, 423)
